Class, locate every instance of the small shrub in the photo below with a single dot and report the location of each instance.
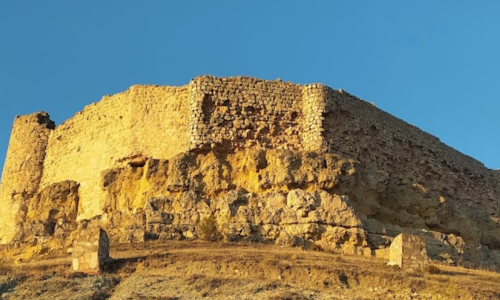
(270, 262)
(208, 229)
(289, 296)
(3, 270)
(287, 257)
(316, 247)
(338, 259)
(431, 269)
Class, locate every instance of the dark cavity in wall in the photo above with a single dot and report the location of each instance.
(207, 107)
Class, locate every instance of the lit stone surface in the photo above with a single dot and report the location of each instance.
(229, 114)
(408, 252)
(22, 171)
(90, 250)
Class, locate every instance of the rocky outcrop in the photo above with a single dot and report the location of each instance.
(294, 198)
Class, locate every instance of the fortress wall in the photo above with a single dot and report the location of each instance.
(240, 112)
(144, 120)
(23, 169)
(359, 130)
(159, 124)
(361, 115)
(88, 143)
(314, 98)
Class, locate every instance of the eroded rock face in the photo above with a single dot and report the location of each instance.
(293, 198)
(52, 212)
(46, 221)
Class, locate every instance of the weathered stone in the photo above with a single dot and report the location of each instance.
(91, 257)
(408, 252)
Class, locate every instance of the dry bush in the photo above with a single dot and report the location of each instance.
(208, 229)
(289, 256)
(431, 269)
(338, 259)
(11, 283)
(316, 247)
(289, 296)
(4, 270)
(270, 262)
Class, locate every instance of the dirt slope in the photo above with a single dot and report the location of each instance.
(198, 270)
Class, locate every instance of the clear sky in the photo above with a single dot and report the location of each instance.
(434, 64)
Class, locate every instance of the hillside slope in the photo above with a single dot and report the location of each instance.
(291, 198)
(200, 270)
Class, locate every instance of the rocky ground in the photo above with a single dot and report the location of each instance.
(303, 199)
(202, 270)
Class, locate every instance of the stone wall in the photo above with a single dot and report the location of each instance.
(358, 115)
(357, 129)
(143, 121)
(22, 170)
(90, 142)
(313, 109)
(159, 120)
(409, 252)
(90, 250)
(241, 112)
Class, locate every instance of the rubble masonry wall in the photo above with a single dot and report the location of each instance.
(242, 112)
(357, 129)
(23, 169)
(144, 120)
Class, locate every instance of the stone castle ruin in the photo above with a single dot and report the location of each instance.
(272, 161)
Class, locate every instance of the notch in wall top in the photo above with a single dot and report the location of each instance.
(44, 118)
(40, 117)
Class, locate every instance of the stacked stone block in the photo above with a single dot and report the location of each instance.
(409, 252)
(314, 100)
(90, 250)
(242, 112)
(23, 170)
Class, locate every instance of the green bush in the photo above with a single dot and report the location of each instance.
(209, 230)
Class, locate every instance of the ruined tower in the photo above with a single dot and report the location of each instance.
(23, 169)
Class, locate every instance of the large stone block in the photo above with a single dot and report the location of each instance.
(408, 252)
(90, 250)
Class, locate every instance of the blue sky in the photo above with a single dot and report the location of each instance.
(434, 64)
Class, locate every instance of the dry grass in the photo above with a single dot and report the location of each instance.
(178, 270)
